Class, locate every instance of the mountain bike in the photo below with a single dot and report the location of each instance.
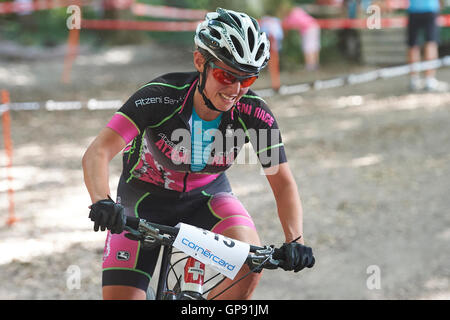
(190, 285)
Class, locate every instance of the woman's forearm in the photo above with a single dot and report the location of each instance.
(96, 163)
(96, 174)
(290, 212)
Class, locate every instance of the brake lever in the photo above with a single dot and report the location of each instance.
(148, 235)
(133, 234)
(262, 259)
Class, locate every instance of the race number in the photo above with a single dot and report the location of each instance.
(221, 253)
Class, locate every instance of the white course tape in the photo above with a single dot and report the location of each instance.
(363, 77)
(25, 106)
(446, 61)
(328, 84)
(350, 79)
(295, 89)
(394, 72)
(94, 104)
(51, 105)
(3, 108)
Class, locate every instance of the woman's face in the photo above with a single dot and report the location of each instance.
(223, 96)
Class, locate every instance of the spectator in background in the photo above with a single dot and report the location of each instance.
(423, 17)
(297, 18)
(272, 27)
(354, 8)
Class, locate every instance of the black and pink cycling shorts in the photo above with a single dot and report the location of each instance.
(213, 208)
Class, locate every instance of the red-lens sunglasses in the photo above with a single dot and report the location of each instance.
(226, 77)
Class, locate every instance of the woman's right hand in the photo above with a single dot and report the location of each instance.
(106, 214)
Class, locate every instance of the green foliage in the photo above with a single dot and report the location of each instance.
(300, 2)
(40, 28)
(190, 4)
(291, 55)
(329, 52)
(186, 38)
(276, 8)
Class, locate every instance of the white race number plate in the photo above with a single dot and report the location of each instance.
(225, 255)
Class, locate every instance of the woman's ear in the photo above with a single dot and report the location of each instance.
(199, 61)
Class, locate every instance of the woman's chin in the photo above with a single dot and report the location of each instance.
(223, 108)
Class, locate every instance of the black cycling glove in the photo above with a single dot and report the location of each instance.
(107, 214)
(296, 256)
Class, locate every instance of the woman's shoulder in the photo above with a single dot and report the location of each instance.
(173, 82)
(252, 101)
(254, 111)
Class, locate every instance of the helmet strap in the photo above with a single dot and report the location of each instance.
(201, 87)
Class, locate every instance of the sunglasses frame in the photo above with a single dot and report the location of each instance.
(236, 77)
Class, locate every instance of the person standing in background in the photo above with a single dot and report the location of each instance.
(272, 27)
(297, 18)
(423, 16)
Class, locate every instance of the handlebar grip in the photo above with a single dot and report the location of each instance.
(132, 222)
(278, 254)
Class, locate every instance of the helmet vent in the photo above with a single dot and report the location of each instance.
(251, 39)
(215, 34)
(255, 23)
(236, 19)
(260, 51)
(237, 45)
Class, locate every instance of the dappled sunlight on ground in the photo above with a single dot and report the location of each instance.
(372, 163)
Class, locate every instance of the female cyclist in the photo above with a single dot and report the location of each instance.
(180, 132)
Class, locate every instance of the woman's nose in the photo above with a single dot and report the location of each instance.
(236, 87)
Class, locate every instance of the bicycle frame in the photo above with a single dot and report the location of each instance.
(165, 261)
(163, 292)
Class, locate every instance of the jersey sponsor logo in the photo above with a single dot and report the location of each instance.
(123, 255)
(259, 113)
(150, 170)
(244, 108)
(177, 153)
(156, 100)
(264, 116)
(223, 158)
(146, 101)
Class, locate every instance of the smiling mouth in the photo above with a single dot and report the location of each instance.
(227, 98)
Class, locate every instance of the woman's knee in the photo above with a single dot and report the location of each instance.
(250, 284)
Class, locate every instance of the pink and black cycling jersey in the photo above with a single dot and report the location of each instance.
(156, 124)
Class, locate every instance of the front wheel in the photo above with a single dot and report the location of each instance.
(150, 294)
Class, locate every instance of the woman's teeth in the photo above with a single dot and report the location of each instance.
(227, 98)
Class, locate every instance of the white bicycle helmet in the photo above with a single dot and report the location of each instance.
(234, 38)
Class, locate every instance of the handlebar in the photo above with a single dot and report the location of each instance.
(136, 223)
(149, 233)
